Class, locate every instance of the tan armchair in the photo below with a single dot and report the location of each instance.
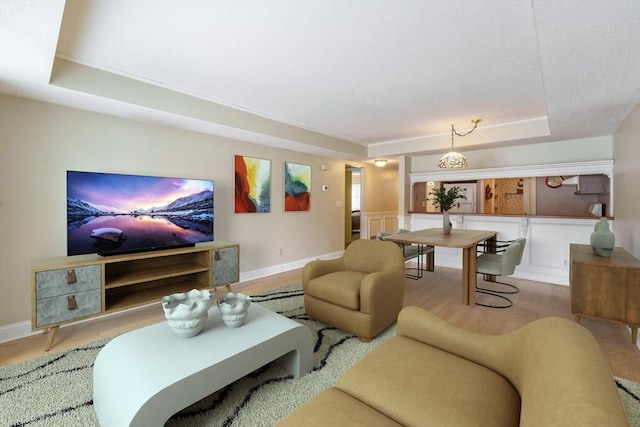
(361, 293)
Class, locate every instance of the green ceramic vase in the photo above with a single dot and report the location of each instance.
(602, 239)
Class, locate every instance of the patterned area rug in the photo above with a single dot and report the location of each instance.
(630, 394)
(56, 390)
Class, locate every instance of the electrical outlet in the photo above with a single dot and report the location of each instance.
(281, 252)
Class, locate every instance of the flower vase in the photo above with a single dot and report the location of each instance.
(446, 224)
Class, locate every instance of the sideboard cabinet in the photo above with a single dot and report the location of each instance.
(66, 289)
(605, 288)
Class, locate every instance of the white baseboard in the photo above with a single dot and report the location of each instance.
(281, 268)
(16, 331)
(23, 329)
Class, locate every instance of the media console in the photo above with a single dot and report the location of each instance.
(67, 289)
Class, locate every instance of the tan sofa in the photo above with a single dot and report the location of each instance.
(432, 373)
(361, 292)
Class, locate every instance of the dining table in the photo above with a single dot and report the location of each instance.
(465, 239)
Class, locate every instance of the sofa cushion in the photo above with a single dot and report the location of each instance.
(335, 408)
(341, 288)
(416, 385)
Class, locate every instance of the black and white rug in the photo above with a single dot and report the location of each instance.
(56, 390)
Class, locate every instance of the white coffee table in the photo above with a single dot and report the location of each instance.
(143, 377)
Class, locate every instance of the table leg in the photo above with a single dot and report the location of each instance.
(431, 261)
(469, 275)
(634, 334)
(467, 268)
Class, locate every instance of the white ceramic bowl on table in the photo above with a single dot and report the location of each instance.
(186, 313)
(234, 308)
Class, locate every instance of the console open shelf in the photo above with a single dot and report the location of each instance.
(117, 275)
(121, 298)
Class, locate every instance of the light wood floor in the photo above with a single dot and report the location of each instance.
(439, 291)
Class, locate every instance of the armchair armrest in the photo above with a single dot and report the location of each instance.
(555, 364)
(424, 326)
(320, 268)
(381, 289)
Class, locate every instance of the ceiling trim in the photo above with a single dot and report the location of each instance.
(512, 131)
(197, 114)
(566, 169)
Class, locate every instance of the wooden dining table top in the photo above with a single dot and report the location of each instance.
(458, 238)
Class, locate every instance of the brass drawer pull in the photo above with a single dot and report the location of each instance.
(71, 277)
(71, 302)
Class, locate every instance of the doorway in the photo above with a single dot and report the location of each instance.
(353, 203)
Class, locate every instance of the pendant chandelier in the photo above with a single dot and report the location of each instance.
(453, 159)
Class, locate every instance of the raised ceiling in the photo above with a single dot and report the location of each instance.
(353, 79)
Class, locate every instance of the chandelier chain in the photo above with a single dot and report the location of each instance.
(453, 159)
(475, 125)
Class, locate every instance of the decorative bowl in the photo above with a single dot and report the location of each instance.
(234, 308)
(186, 313)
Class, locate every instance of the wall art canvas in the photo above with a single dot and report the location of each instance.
(252, 185)
(297, 187)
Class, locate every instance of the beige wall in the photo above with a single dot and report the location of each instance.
(39, 142)
(381, 189)
(626, 181)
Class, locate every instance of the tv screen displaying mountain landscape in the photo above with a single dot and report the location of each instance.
(114, 213)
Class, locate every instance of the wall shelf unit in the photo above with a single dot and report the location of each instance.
(67, 289)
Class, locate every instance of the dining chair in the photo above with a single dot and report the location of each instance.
(502, 262)
(409, 252)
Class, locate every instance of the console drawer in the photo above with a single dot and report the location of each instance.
(67, 307)
(51, 283)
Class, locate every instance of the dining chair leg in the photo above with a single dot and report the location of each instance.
(507, 302)
(511, 289)
(420, 269)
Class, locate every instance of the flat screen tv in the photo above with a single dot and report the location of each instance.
(113, 214)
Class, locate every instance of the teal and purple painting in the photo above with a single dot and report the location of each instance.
(297, 187)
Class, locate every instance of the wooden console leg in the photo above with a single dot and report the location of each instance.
(52, 335)
(634, 334)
